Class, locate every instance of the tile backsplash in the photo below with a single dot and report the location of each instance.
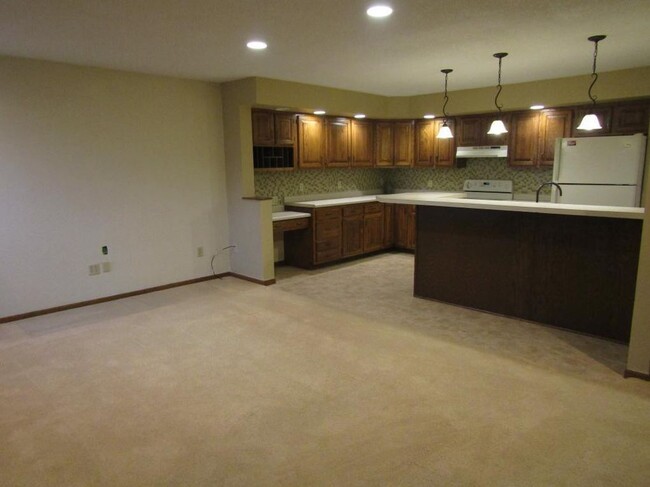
(280, 185)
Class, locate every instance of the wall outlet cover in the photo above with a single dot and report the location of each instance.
(106, 267)
(199, 251)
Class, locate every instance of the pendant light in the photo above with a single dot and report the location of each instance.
(445, 131)
(590, 121)
(497, 127)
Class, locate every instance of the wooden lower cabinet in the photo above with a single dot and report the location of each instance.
(389, 225)
(339, 232)
(405, 227)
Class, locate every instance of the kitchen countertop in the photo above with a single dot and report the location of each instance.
(357, 199)
(457, 200)
(279, 216)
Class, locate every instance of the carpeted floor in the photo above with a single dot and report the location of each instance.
(331, 377)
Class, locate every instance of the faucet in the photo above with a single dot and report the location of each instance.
(544, 184)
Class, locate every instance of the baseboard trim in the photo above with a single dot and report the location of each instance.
(268, 282)
(636, 375)
(114, 297)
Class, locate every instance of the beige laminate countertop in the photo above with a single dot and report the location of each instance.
(355, 199)
(457, 200)
(279, 216)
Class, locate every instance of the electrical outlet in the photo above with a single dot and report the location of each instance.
(106, 267)
(199, 251)
(430, 183)
(94, 270)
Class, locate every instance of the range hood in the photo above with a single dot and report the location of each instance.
(482, 151)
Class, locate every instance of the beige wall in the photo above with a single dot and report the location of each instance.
(92, 157)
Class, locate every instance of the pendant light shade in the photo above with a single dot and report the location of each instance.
(590, 121)
(445, 131)
(498, 127)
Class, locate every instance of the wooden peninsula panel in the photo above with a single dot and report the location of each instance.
(574, 272)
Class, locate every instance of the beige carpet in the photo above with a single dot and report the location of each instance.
(330, 377)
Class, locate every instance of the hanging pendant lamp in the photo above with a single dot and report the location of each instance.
(445, 131)
(590, 121)
(498, 127)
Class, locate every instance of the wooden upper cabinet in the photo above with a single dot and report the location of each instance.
(384, 144)
(472, 131)
(285, 128)
(311, 141)
(630, 119)
(524, 139)
(394, 143)
(263, 128)
(604, 114)
(553, 124)
(533, 135)
(444, 154)
(423, 148)
(338, 142)
(403, 143)
(273, 129)
(363, 146)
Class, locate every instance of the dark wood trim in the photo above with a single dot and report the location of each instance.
(256, 198)
(268, 282)
(105, 299)
(637, 375)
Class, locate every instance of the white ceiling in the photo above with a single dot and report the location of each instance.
(333, 42)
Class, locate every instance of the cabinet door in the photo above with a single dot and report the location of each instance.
(373, 232)
(285, 129)
(630, 119)
(410, 227)
(553, 124)
(524, 137)
(444, 154)
(389, 225)
(384, 144)
(362, 143)
(405, 226)
(310, 141)
(604, 115)
(327, 234)
(424, 135)
(352, 230)
(403, 143)
(263, 128)
(338, 142)
(470, 131)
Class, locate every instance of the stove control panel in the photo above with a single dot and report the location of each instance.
(488, 185)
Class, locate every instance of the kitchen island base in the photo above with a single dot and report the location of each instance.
(574, 272)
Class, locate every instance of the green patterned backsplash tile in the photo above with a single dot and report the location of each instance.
(451, 179)
(280, 185)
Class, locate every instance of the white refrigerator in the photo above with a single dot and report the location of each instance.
(599, 170)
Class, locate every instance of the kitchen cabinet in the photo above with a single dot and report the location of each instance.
(338, 232)
(273, 129)
(352, 230)
(338, 142)
(389, 225)
(431, 151)
(311, 141)
(533, 134)
(394, 144)
(363, 138)
(472, 130)
(405, 226)
(630, 119)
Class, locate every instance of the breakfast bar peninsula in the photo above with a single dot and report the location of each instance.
(571, 266)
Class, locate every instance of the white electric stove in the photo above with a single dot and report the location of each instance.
(488, 189)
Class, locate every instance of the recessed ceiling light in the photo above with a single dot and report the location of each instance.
(379, 11)
(256, 45)
(319, 112)
(428, 115)
(360, 115)
(536, 107)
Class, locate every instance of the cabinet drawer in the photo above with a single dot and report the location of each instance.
(326, 229)
(327, 213)
(352, 210)
(289, 225)
(373, 208)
